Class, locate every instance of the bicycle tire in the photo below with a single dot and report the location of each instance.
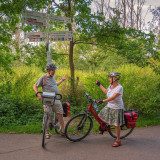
(82, 125)
(57, 126)
(44, 129)
(124, 131)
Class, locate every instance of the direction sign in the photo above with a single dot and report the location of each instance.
(33, 21)
(54, 36)
(34, 15)
(37, 15)
(61, 36)
(36, 39)
(35, 35)
(64, 33)
(37, 18)
(59, 19)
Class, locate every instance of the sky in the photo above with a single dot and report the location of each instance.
(153, 2)
(145, 12)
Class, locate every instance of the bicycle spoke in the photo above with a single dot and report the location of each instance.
(44, 130)
(57, 126)
(78, 127)
(124, 131)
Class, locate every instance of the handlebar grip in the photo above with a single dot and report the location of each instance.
(58, 97)
(37, 93)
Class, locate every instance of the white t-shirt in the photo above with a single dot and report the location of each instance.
(116, 103)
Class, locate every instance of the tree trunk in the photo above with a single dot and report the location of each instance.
(137, 16)
(159, 23)
(102, 9)
(132, 13)
(71, 47)
(71, 63)
(124, 14)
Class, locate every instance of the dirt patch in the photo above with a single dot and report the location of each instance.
(66, 119)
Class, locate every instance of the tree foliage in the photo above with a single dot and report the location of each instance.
(10, 16)
(97, 43)
(89, 28)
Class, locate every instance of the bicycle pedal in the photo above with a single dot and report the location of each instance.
(50, 126)
(101, 132)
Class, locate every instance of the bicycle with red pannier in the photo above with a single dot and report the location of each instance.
(79, 126)
(49, 99)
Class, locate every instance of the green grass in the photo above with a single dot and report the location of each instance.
(36, 129)
(149, 120)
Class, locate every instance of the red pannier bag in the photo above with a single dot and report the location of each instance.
(66, 109)
(130, 117)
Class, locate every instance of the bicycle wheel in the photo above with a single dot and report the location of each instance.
(44, 129)
(124, 131)
(57, 126)
(78, 127)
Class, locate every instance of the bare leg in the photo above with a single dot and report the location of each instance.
(61, 121)
(118, 142)
(118, 133)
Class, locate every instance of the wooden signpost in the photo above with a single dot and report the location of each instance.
(42, 19)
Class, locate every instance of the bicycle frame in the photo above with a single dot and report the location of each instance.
(101, 122)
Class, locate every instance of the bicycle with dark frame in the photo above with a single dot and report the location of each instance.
(49, 99)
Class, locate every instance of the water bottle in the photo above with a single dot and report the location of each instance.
(96, 107)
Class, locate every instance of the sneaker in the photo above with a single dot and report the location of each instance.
(47, 136)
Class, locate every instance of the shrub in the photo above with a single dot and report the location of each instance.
(18, 104)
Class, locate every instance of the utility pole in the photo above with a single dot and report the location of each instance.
(47, 43)
(18, 37)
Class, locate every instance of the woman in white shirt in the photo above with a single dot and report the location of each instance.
(113, 112)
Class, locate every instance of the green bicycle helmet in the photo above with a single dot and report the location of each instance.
(50, 66)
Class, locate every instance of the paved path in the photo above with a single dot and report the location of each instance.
(142, 144)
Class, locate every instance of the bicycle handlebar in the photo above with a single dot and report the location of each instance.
(57, 96)
(89, 98)
(38, 92)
